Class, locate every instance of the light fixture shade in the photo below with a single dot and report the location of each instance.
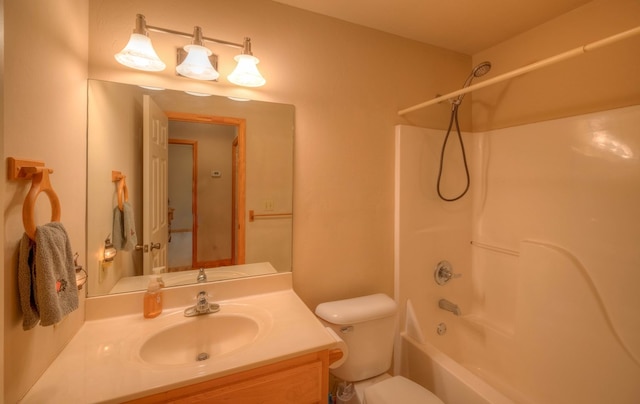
(109, 250)
(246, 72)
(139, 54)
(197, 65)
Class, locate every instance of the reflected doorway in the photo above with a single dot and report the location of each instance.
(206, 191)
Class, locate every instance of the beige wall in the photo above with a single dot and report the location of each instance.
(114, 143)
(602, 79)
(44, 120)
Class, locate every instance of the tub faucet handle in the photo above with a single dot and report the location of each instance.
(444, 273)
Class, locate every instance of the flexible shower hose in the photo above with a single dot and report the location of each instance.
(454, 118)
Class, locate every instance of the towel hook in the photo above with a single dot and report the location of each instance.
(123, 191)
(39, 176)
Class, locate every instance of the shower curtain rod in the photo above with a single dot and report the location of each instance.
(525, 69)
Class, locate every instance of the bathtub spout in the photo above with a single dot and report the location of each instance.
(444, 304)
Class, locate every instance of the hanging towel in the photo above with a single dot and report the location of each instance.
(46, 276)
(117, 234)
(124, 228)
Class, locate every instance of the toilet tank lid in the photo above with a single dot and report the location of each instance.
(357, 309)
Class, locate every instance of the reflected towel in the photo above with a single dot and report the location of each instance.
(46, 276)
(124, 228)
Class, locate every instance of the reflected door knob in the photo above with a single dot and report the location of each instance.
(155, 246)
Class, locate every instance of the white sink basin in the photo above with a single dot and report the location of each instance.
(196, 340)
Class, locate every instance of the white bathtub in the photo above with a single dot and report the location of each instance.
(452, 382)
(554, 343)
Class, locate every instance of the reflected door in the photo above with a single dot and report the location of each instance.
(155, 196)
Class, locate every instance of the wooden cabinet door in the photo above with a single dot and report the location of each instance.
(300, 380)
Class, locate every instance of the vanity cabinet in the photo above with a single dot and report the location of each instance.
(298, 380)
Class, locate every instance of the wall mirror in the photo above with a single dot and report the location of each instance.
(217, 195)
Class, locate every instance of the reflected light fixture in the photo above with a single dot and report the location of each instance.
(139, 54)
(198, 94)
(109, 250)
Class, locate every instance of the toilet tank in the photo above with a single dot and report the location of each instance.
(367, 326)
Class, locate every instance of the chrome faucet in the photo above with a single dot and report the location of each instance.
(202, 306)
(444, 304)
(202, 276)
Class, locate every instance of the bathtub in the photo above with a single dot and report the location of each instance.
(554, 343)
(423, 363)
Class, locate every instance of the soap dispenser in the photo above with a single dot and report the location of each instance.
(153, 299)
(157, 272)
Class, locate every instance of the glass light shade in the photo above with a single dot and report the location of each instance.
(139, 54)
(109, 254)
(246, 72)
(109, 251)
(197, 65)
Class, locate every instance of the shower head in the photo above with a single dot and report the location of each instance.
(482, 69)
(478, 71)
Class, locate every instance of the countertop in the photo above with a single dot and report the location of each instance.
(101, 364)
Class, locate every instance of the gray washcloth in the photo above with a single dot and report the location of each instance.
(46, 276)
(117, 235)
(124, 228)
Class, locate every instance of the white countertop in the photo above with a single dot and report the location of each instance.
(100, 364)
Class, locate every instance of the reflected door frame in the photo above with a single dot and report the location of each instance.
(239, 218)
(194, 196)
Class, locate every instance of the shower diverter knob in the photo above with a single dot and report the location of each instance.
(444, 273)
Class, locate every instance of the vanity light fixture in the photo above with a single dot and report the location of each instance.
(109, 250)
(197, 64)
(139, 53)
(246, 72)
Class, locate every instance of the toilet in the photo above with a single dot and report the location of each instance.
(367, 326)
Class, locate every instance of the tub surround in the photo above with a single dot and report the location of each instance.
(547, 293)
(101, 363)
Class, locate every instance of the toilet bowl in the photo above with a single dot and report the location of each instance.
(367, 326)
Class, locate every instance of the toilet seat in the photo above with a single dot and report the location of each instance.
(399, 389)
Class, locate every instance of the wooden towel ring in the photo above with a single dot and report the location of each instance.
(39, 183)
(123, 191)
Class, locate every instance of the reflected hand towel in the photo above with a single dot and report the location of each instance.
(124, 228)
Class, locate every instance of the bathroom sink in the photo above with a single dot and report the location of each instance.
(194, 340)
